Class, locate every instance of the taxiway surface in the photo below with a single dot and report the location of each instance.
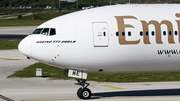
(15, 33)
(20, 30)
(44, 89)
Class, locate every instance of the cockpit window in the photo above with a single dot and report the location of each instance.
(37, 31)
(52, 32)
(45, 31)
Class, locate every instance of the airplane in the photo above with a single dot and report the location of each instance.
(124, 38)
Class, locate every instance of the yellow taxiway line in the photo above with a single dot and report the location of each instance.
(111, 87)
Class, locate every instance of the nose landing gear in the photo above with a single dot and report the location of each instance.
(83, 92)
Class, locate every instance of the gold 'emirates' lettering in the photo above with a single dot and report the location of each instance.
(121, 28)
(156, 24)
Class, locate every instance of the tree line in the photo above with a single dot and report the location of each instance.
(53, 3)
(81, 3)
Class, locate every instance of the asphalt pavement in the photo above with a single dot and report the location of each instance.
(15, 33)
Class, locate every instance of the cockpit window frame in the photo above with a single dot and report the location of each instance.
(49, 31)
(36, 29)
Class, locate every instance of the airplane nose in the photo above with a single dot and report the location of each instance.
(25, 46)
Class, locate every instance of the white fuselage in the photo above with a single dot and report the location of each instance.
(109, 39)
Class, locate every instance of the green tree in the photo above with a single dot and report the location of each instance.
(19, 17)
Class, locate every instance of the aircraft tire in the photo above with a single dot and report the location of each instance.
(84, 93)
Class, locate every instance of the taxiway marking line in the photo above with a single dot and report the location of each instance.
(112, 87)
(5, 98)
(8, 59)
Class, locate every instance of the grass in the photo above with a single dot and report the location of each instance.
(45, 16)
(54, 72)
(21, 22)
(8, 45)
(48, 71)
(30, 21)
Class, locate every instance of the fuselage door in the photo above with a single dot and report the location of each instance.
(100, 33)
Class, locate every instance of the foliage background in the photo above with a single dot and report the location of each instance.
(82, 3)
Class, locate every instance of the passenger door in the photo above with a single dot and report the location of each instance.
(100, 34)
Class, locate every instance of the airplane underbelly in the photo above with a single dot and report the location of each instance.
(124, 59)
(139, 65)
